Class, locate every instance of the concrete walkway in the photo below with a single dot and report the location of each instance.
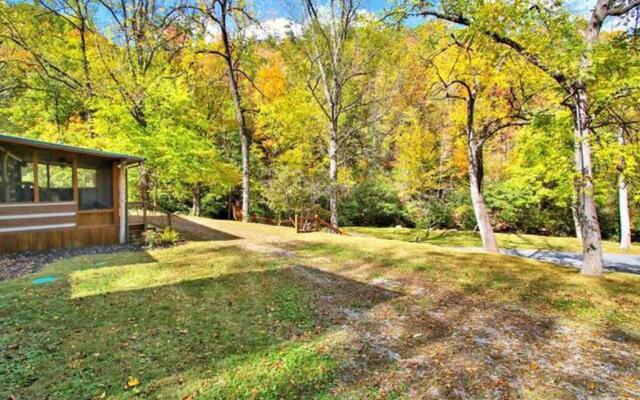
(613, 262)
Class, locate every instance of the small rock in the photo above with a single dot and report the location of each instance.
(393, 356)
(419, 292)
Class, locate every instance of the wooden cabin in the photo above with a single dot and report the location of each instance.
(55, 196)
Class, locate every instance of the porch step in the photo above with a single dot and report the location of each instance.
(136, 233)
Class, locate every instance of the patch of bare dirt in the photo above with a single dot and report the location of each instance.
(436, 343)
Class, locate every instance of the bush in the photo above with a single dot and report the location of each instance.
(166, 237)
(373, 203)
(451, 210)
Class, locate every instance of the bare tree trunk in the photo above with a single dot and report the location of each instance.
(590, 227)
(489, 242)
(83, 14)
(246, 145)
(333, 175)
(623, 202)
(143, 184)
(156, 183)
(575, 215)
(197, 198)
(245, 133)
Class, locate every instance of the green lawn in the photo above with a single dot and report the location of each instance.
(472, 239)
(267, 313)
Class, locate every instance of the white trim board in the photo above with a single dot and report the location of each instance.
(30, 216)
(37, 227)
(60, 203)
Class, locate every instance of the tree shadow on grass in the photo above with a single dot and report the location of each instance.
(192, 230)
(261, 330)
(490, 326)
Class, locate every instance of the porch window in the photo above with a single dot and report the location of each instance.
(95, 184)
(16, 174)
(55, 177)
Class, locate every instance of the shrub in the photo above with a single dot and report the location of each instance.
(450, 210)
(373, 203)
(166, 237)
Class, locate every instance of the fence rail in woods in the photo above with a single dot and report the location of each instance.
(301, 223)
(314, 224)
(148, 215)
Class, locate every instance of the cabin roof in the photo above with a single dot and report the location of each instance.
(129, 159)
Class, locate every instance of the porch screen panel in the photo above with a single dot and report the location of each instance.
(16, 174)
(95, 184)
(55, 177)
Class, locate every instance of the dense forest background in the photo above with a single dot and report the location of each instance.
(189, 86)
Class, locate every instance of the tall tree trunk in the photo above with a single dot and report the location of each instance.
(245, 134)
(590, 227)
(82, 14)
(143, 184)
(333, 175)
(246, 145)
(623, 202)
(197, 198)
(476, 172)
(575, 213)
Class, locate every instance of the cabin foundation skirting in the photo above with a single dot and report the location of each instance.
(58, 239)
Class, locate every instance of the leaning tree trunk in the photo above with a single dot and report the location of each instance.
(590, 227)
(623, 202)
(333, 175)
(476, 172)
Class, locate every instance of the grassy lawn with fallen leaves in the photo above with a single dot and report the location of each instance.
(472, 239)
(255, 311)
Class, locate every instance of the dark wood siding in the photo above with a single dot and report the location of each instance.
(58, 239)
(33, 223)
(36, 208)
(37, 217)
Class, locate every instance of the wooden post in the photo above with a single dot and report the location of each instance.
(74, 173)
(317, 224)
(115, 179)
(295, 223)
(122, 182)
(36, 186)
(144, 193)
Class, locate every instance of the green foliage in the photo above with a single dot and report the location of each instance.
(449, 211)
(404, 160)
(374, 203)
(166, 237)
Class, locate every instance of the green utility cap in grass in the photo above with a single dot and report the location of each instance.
(44, 279)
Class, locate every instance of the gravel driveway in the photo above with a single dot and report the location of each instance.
(613, 262)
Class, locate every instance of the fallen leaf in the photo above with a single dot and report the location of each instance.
(132, 381)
